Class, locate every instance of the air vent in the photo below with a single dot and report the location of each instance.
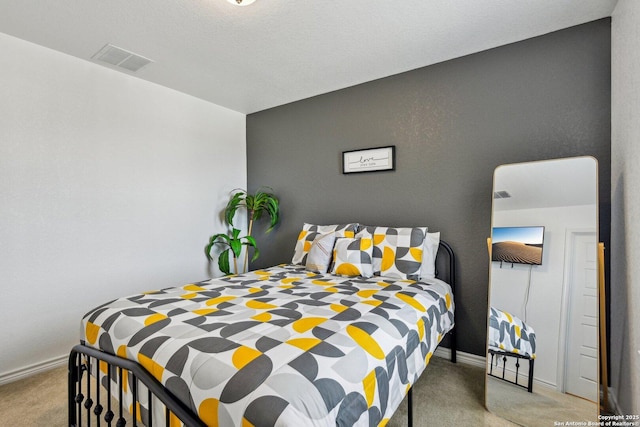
(501, 195)
(121, 58)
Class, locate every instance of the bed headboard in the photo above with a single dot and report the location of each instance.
(446, 271)
(446, 265)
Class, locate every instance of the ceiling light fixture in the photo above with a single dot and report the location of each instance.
(241, 2)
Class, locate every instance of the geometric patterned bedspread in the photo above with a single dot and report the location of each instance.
(509, 333)
(281, 346)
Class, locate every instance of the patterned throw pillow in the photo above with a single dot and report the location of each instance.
(397, 251)
(319, 256)
(310, 232)
(352, 257)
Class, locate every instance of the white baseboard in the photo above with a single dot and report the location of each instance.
(27, 371)
(462, 357)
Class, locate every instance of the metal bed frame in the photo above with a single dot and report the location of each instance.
(506, 354)
(83, 360)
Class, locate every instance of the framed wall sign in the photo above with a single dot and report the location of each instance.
(369, 160)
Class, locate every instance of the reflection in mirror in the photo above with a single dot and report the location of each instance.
(542, 349)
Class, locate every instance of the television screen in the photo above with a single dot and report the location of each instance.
(517, 245)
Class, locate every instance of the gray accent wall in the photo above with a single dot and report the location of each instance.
(452, 123)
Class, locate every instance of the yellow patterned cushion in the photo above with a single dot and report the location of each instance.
(352, 257)
(397, 251)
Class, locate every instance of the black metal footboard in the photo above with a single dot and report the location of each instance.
(88, 407)
(504, 355)
(86, 403)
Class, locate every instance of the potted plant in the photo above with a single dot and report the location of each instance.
(263, 201)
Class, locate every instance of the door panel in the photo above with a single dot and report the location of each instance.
(582, 377)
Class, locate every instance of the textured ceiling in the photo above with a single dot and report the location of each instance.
(547, 184)
(278, 51)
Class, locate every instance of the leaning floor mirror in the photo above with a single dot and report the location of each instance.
(542, 346)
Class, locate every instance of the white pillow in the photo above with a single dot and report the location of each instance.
(320, 254)
(430, 250)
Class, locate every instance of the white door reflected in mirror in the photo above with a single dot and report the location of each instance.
(542, 347)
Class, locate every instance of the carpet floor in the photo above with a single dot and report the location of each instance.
(544, 406)
(447, 394)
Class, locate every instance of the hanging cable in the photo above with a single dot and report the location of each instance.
(526, 297)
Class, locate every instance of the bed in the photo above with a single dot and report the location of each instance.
(510, 337)
(286, 345)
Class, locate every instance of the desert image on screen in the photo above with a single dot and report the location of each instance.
(518, 245)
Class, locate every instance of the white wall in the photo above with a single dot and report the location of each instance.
(545, 304)
(625, 206)
(109, 186)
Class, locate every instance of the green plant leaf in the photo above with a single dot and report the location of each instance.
(250, 201)
(213, 240)
(273, 209)
(223, 262)
(269, 204)
(257, 205)
(207, 251)
(222, 236)
(234, 203)
(252, 242)
(263, 201)
(236, 247)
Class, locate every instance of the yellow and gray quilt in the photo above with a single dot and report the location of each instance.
(281, 346)
(509, 333)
